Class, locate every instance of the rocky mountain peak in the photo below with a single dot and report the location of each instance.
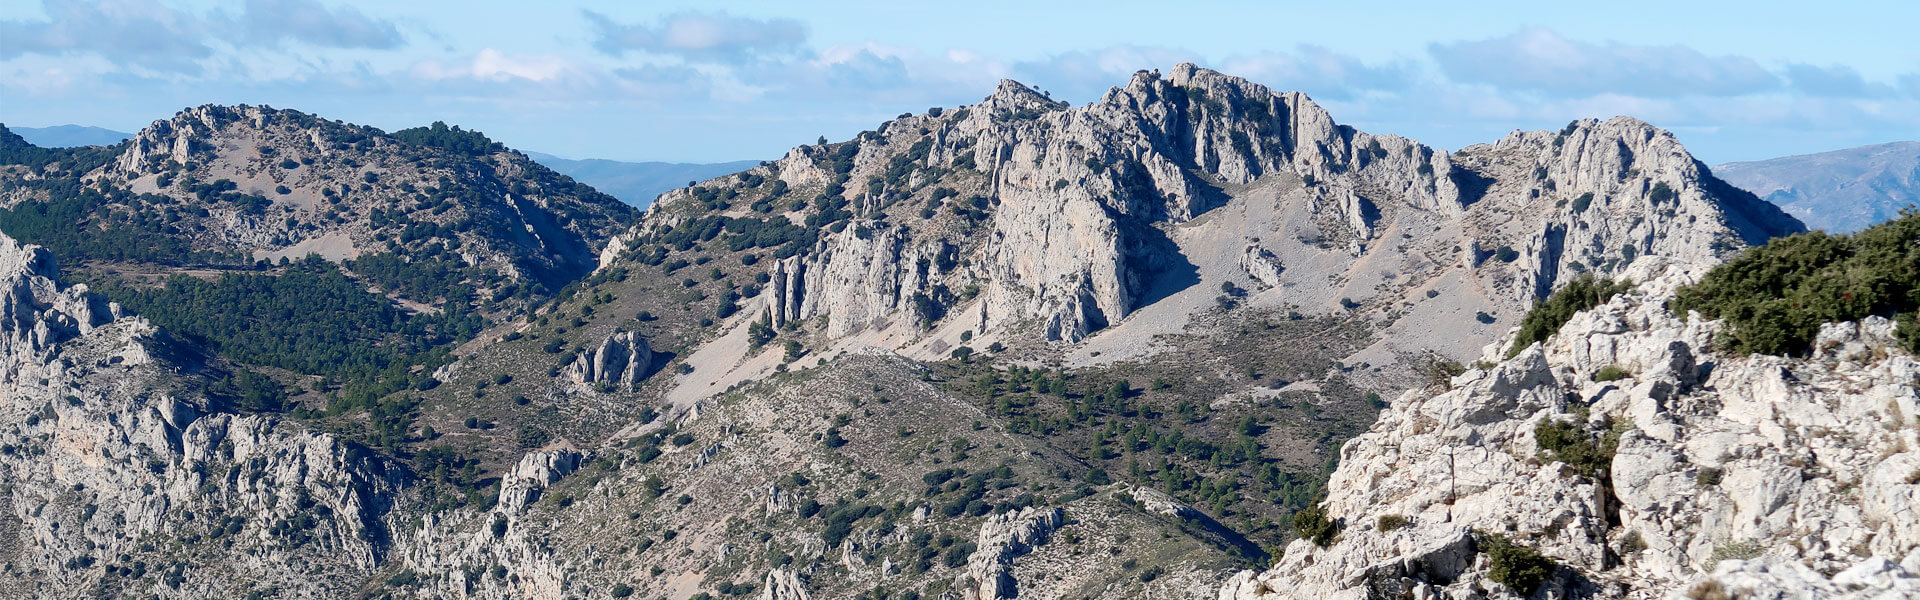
(1013, 95)
(231, 185)
(1065, 212)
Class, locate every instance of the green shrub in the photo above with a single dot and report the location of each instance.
(1737, 550)
(1708, 477)
(1660, 193)
(1549, 315)
(1580, 204)
(1518, 567)
(1568, 442)
(1311, 523)
(1390, 522)
(1611, 373)
(1775, 297)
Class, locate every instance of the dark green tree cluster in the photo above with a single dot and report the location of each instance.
(311, 319)
(249, 391)
(425, 278)
(15, 150)
(80, 223)
(1775, 297)
(451, 138)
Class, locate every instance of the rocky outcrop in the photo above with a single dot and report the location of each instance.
(1622, 189)
(521, 486)
(1003, 538)
(109, 444)
(1261, 265)
(782, 584)
(622, 358)
(1734, 476)
(35, 312)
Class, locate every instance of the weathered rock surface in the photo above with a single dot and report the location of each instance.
(1806, 469)
(782, 584)
(122, 480)
(1024, 216)
(621, 358)
(1002, 539)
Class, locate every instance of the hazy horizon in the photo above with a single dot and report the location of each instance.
(677, 82)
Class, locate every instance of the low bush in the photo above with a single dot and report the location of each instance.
(1390, 522)
(1568, 442)
(1518, 567)
(1311, 523)
(1610, 373)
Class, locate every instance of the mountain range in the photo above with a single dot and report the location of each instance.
(1840, 191)
(69, 136)
(638, 183)
(1193, 339)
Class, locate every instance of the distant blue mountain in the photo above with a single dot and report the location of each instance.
(638, 183)
(65, 136)
(1840, 191)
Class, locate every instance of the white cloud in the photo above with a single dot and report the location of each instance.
(493, 65)
(270, 22)
(1320, 72)
(700, 36)
(1539, 60)
(146, 34)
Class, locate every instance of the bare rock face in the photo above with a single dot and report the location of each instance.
(1002, 539)
(35, 314)
(621, 358)
(521, 486)
(1262, 266)
(783, 584)
(1734, 476)
(109, 445)
(1023, 216)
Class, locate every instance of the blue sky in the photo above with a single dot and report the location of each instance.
(721, 80)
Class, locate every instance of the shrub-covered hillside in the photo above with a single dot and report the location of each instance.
(1775, 297)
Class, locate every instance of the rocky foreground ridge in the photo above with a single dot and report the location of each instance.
(1734, 476)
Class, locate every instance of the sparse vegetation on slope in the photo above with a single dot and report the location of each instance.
(1548, 315)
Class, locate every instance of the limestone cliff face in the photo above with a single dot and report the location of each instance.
(1062, 221)
(623, 357)
(1620, 189)
(1754, 476)
(121, 481)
